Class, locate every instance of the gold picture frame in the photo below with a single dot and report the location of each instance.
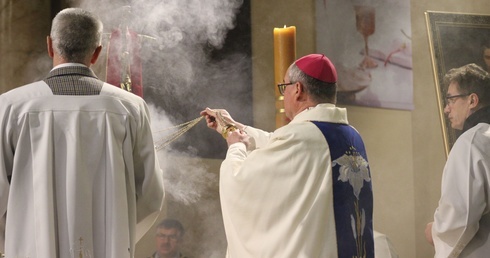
(455, 39)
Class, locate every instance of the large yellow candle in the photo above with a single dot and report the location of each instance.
(284, 56)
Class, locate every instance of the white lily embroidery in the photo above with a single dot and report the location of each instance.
(353, 168)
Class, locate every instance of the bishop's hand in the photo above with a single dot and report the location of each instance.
(239, 136)
(220, 120)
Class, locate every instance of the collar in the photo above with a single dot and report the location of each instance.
(71, 69)
(156, 255)
(324, 112)
(67, 65)
(482, 115)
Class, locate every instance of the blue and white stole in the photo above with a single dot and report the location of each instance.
(352, 190)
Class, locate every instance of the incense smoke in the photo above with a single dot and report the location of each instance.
(187, 67)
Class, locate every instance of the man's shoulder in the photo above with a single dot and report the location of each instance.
(33, 86)
(474, 140)
(26, 91)
(477, 133)
(111, 90)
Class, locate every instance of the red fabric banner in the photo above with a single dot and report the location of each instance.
(124, 59)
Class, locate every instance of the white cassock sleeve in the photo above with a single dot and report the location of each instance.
(260, 137)
(6, 159)
(462, 202)
(149, 179)
(383, 246)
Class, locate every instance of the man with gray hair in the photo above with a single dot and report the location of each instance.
(303, 190)
(78, 169)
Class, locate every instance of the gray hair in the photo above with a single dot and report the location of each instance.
(319, 91)
(76, 34)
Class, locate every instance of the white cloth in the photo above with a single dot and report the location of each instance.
(461, 225)
(277, 200)
(383, 247)
(84, 172)
(2, 234)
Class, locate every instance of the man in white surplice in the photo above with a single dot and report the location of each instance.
(78, 168)
(462, 220)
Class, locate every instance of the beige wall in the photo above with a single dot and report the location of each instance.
(24, 26)
(405, 148)
(387, 133)
(267, 15)
(427, 144)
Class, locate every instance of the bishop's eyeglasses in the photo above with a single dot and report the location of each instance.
(282, 87)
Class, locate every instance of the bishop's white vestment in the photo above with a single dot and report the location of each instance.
(301, 192)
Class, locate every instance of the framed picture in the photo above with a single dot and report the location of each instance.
(371, 49)
(455, 39)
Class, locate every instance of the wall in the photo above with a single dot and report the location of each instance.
(427, 144)
(405, 149)
(267, 15)
(24, 26)
(387, 133)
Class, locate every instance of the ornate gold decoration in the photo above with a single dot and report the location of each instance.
(126, 84)
(226, 128)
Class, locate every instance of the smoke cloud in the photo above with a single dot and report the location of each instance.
(188, 64)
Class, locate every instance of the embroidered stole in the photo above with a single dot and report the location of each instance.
(352, 190)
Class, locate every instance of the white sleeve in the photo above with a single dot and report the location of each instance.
(261, 138)
(6, 161)
(462, 202)
(383, 246)
(149, 176)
